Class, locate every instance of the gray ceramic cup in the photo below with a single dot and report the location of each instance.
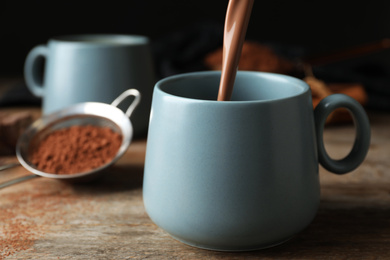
(241, 174)
(81, 68)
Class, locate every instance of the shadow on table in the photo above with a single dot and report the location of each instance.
(114, 179)
(356, 233)
(335, 233)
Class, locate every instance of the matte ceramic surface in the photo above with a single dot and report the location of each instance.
(235, 175)
(83, 68)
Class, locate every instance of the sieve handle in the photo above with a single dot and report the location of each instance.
(17, 180)
(130, 92)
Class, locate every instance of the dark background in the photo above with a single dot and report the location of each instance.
(315, 26)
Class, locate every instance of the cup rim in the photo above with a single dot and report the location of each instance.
(159, 86)
(105, 39)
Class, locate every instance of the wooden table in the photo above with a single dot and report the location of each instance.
(48, 219)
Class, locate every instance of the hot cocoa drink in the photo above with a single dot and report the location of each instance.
(236, 23)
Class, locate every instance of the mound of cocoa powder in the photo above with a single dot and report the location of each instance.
(75, 149)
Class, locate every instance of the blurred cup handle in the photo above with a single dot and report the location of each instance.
(33, 69)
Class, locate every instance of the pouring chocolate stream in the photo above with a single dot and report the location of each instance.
(236, 24)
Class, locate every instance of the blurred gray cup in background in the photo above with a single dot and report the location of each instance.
(82, 68)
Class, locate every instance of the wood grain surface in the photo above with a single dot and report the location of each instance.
(105, 219)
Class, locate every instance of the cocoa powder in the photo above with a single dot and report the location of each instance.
(31, 210)
(76, 149)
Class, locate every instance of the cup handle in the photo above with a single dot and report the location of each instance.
(362, 139)
(33, 73)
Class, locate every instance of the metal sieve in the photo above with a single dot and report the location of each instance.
(87, 113)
